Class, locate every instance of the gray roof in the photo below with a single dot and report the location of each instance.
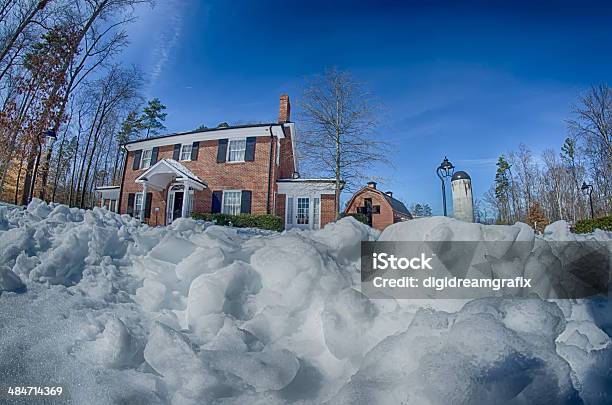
(205, 130)
(396, 205)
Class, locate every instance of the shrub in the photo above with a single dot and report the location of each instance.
(363, 218)
(264, 221)
(589, 225)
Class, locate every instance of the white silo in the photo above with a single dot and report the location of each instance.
(463, 203)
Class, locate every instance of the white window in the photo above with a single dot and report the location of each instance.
(145, 160)
(231, 202)
(137, 205)
(235, 150)
(186, 152)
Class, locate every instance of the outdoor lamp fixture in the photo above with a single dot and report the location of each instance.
(444, 171)
(589, 187)
(48, 136)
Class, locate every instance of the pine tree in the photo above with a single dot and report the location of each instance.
(152, 118)
(502, 187)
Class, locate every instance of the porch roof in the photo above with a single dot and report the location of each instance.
(165, 171)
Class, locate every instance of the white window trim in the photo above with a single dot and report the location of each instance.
(142, 166)
(227, 153)
(181, 152)
(239, 200)
(138, 211)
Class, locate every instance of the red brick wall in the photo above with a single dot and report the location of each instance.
(379, 221)
(280, 206)
(219, 176)
(328, 212)
(287, 165)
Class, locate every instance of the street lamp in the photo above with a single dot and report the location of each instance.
(51, 137)
(589, 187)
(444, 171)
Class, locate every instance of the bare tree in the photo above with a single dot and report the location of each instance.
(338, 134)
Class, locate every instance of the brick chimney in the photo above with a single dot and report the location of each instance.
(284, 113)
(372, 184)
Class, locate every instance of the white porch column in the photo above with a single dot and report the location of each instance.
(144, 202)
(186, 198)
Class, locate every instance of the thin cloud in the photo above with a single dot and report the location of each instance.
(168, 38)
(478, 162)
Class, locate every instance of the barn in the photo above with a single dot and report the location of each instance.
(380, 207)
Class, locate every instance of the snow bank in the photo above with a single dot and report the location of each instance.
(117, 312)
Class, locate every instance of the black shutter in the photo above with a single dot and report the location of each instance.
(148, 199)
(222, 150)
(245, 202)
(136, 162)
(249, 154)
(130, 205)
(154, 154)
(176, 153)
(194, 150)
(217, 196)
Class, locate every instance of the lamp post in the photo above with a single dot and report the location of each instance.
(50, 135)
(444, 171)
(589, 187)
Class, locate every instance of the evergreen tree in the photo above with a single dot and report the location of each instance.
(426, 210)
(152, 118)
(502, 187)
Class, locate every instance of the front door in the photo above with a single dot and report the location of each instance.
(175, 204)
(302, 210)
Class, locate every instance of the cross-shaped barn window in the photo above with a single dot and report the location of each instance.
(368, 209)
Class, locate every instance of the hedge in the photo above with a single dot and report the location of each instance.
(264, 221)
(357, 215)
(589, 225)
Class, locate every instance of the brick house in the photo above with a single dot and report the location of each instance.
(232, 169)
(380, 207)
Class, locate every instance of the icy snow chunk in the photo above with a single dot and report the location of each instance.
(14, 242)
(344, 238)
(223, 292)
(39, 208)
(9, 281)
(65, 263)
(171, 355)
(151, 295)
(266, 370)
(559, 231)
(202, 260)
(432, 229)
(115, 347)
(172, 248)
(347, 317)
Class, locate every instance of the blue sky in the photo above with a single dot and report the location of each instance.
(469, 80)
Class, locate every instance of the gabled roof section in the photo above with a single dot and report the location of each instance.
(174, 166)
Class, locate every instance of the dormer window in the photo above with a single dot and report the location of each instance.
(235, 150)
(186, 152)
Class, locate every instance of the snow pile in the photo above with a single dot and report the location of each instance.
(117, 312)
